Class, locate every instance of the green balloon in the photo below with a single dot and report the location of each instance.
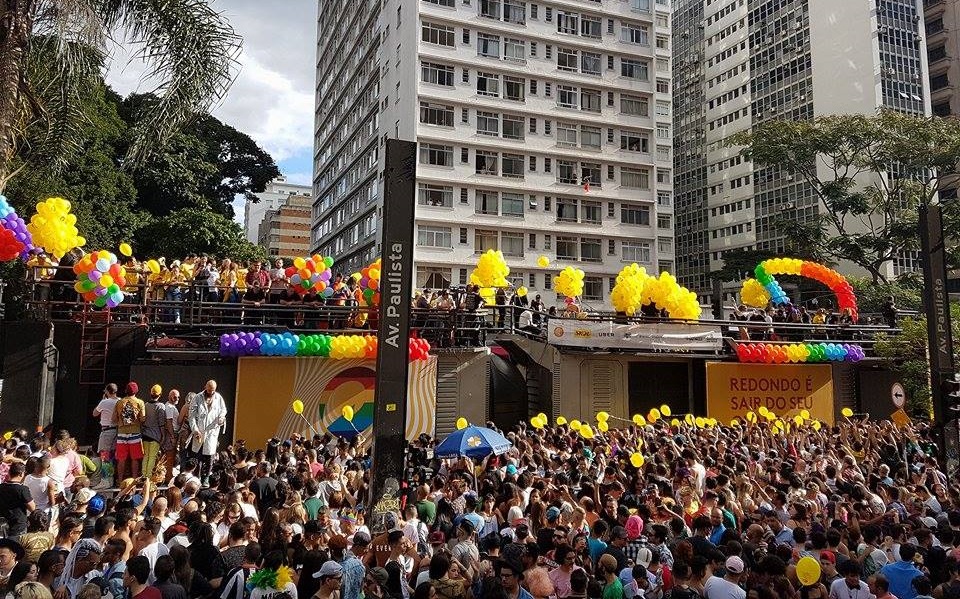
(100, 302)
(113, 289)
(328, 261)
(87, 285)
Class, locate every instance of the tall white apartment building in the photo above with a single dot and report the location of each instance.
(741, 63)
(543, 128)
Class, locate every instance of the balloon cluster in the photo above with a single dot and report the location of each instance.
(100, 279)
(765, 288)
(54, 228)
(799, 353)
(635, 288)
(569, 282)
(311, 273)
(627, 294)
(14, 233)
(665, 293)
(369, 282)
(491, 270)
(419, 348)
(342, 347)
(281, 344)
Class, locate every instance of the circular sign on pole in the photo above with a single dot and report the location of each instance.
(897, 395)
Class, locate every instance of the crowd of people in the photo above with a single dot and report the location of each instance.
(715, 513)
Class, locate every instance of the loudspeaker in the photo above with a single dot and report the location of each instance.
(29, 375)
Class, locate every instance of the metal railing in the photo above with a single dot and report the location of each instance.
(199, 314)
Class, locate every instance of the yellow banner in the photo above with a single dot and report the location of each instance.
(784, 389)
(267, 386)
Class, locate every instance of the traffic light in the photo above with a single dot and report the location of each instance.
(950, 391)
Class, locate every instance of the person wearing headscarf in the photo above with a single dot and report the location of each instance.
(82, 561)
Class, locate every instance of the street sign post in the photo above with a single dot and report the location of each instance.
(897, 395)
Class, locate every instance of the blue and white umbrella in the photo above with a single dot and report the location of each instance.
(473, 442)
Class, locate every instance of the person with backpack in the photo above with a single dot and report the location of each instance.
(234, 584)
(152, 431)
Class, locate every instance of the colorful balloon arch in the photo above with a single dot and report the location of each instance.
(764, 288)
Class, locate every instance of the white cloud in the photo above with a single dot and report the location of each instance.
(300, 178)
(272, 99)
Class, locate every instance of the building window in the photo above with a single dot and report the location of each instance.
(634, 105)
(435, 195)
(436, 114)
(664, 245)
(663, 176)
(593, 288)
(590, 100)
(488, 84)
(567, 60)
(436, 155)
(484, 240)
(439, 74)
(513, 166)
(635, 215)
(590, 173)
(512, 126)
(635, 251)
(567, 22)
(634, 34)
(511, 244)
(664, 221)
(487, 163)
(488, 123)
(438, 237)
(487, 202)
(591, 212)
(514, 50)
(566, 248)
(590, 63)
(634, 178)
(488, 45)
(591, 27)
(567, 210)
(590, 249)
(547, 244)
(635, 69)
(515, 11)
(442, 35)
(566, 135)
(463, 236)
(490, 9)
(567, 172)
(532, 242)
(566, 96)
(512, 204)
(663, 86)
(513, 88)
(589, 137)
(634, 142)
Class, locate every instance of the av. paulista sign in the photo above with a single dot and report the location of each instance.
(396, 289)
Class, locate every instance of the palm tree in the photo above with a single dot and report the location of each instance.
(52, 52)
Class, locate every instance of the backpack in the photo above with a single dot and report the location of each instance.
(423, 535)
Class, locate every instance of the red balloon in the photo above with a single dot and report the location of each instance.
(10, 247)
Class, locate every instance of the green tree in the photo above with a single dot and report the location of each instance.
(906, 290)
(210, 165)
(869, 174)
(52, 50)
(103, 196)
(196, 231)
(907, 352)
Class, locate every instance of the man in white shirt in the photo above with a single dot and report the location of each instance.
(849, 586)
(147, 545)
(108, 426)
(727, 587)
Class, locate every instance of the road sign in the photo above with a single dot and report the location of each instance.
(897, 395)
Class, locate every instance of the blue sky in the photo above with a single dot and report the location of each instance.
(272, 97)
